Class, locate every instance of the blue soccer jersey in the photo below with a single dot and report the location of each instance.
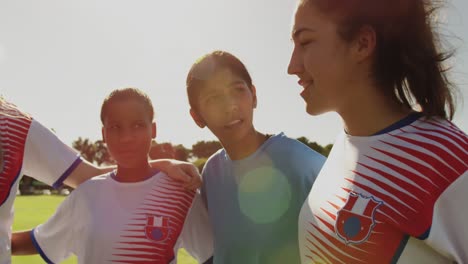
(254, 203)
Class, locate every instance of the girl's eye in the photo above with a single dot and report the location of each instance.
(240, 88)
(305, 43)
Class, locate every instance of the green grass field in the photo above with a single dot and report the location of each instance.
(33, 210)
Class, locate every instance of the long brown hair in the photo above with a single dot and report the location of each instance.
(409, 57)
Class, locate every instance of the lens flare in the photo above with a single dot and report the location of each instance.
(264, 194)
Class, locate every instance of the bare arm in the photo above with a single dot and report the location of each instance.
(184, 172)
(181, 171)
(22, 244)
(84, 171)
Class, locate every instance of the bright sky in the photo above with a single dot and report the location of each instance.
(60, 58)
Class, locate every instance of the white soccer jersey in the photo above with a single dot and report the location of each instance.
(106, 221)
(398, 197)
(27, 148)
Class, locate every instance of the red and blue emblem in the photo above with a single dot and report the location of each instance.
(356, 219)
(157, 228)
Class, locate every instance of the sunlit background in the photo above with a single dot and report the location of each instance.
(60, 58)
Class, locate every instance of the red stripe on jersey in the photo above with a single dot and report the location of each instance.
(455, 164)
(14, 127)
(332, 216)
(405, 194)
(419, 167)
(351, 255)
(325, 240)
(407, 172)
(413, 181)
(156, 227)
(458, 137)
(335, 206)
(458, 151)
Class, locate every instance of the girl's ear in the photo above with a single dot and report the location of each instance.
(254, 94)
(365, 43)
(197, 118)
(153, 130)
(103, 135)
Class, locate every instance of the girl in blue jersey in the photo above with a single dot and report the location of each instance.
(255, 186)
(393, 185)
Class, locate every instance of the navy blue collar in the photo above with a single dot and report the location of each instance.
(401, 123)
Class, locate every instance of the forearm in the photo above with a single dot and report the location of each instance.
(161, 164)
(181, 171)
(84, 172)
(22, 244)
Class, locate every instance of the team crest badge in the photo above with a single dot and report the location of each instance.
(356, 219)
(157, 228)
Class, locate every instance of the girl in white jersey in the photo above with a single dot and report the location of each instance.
(132, 215)
(27, 147)
(393, 189)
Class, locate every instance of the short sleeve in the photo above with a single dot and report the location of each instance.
(54, 240)
(197, 234)
(46, 157)
(448, 234)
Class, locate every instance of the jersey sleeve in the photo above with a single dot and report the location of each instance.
(197, 234)
(54, 240)
(448, 234)
(46, 157)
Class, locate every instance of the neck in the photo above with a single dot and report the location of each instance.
(134, 174)
(370, 112)
(250, 143)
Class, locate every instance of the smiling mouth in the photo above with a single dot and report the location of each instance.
(233, 123)
(306, 85)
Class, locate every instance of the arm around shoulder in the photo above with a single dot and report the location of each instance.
(83, 172)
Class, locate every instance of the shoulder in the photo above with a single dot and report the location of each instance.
(169, 189)
(14, 123)
(293, 149)
(434, 132)
(92, 184)
(85, 193)
(217, 158)
(436, 125)
(162, 180)
(294, 156)
(217, 155)
(11, 111)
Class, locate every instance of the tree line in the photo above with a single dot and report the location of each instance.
(96, 152)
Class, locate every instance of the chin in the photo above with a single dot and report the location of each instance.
(315, 110)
